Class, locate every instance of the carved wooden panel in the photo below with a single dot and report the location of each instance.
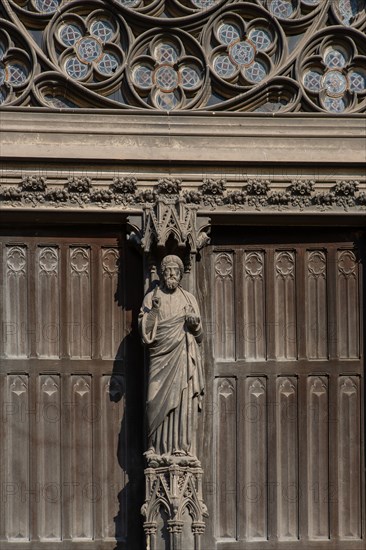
(316, 304)
(16, 296)
(255, 449)
(348, 304)
(225, 452)
(224, 322)
(17, 471)
(318, 457)
(49, 457)
(80, 327)
(349, 460)
(297, 380)
(113, 423)
(48, 301)
(254, 330)
(110, 328)
(63, 421)
(285, 304)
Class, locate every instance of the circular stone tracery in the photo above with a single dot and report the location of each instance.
(333, 76)
(167, 72)
(245, 47)
(89, 52)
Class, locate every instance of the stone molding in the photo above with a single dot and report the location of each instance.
(213, 194)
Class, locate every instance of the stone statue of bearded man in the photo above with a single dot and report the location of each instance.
(170, 326)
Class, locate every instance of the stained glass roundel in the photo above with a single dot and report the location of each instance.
(190, 77)
(261, 38)
(89, 49)
(334, 104)
(47, 6)
(283, 9)
(223, 66)
(166, 78)
(166, 53)
(335, 58)
(75, 68)
(17, 74)
(102, 29)
(70, 34)
(256, 72)
(108, 64)
(335, 83)
(242, 53)
(129, 3)
(228, 33)
(166, 101)
(357, 80)
(312, 80)
(142, 77)
(202, 4)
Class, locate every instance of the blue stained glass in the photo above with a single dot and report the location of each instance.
(142, 77)
(348, 10)
(166, 78)
(89, 49)
(335, 58)
(223, 66)
(166, 53)
(312, 80)
(256, 72)
(70, 34)
(190, 77)
(75, 68)
(129, 3)
(166, 101)
(282, 9)
(228, 33)
(46, 6)
(242, 53)
(334, 104)
(108, 64)
(261, 38)
(2, 74)
(17, 74)
(102, 29)
(335, 83)
(204, 4)
(357, 80)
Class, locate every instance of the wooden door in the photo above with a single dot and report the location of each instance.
(70, 385)
(284, 464)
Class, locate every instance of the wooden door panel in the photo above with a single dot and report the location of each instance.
(286, 350)
(67, 312)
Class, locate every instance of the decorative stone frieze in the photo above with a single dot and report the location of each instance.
(170, 200)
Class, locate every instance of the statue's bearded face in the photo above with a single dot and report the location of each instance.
(171, 276)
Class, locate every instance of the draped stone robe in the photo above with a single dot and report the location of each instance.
(176, 382)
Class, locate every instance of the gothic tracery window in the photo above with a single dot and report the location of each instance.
(207, 55)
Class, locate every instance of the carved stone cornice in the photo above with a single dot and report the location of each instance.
(170, 208)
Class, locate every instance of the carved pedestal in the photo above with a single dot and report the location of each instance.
(174, 510)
